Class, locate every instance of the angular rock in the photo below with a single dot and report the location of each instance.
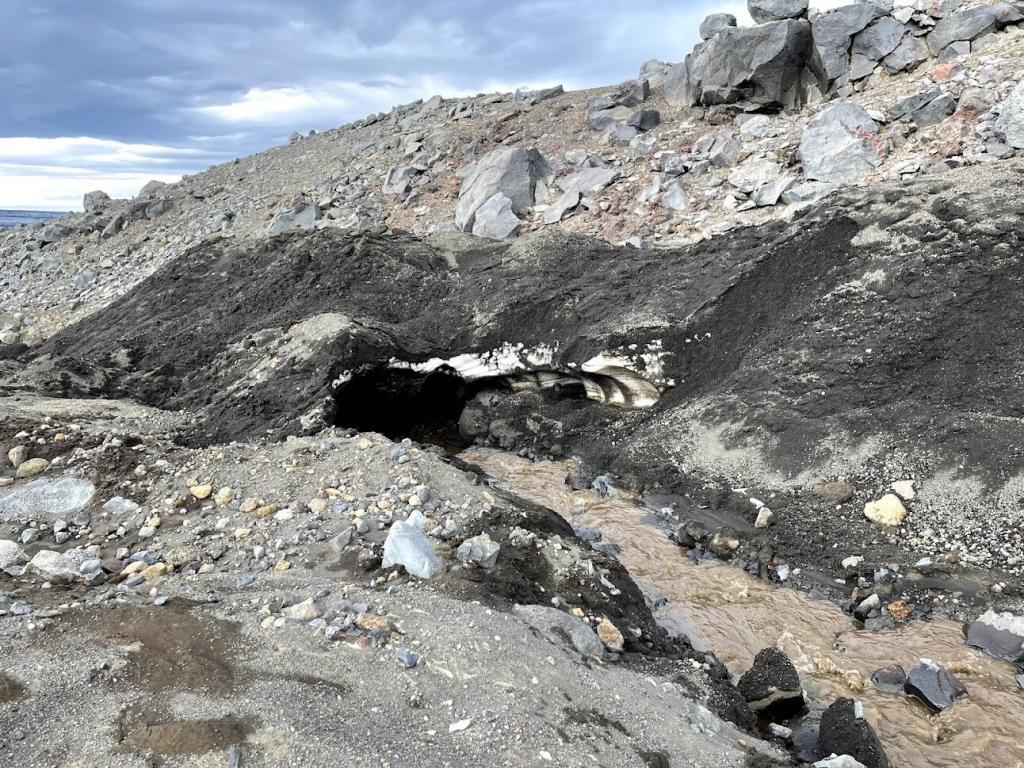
(52, 565)
(908, 54)
(764, 11)
(933, 684)
(513, 171)
(935, 111)
(722, 148)
(610, 636)
(837, 145)
(654, 71)
(114, 226)
(998, 634)
(833, 31)
(878, 39)
(754, 173)
(481, 550)
(585, 182)
(399, 179)
(675, 197)
(772, 685)
(844, 731)
(970, 24)
(890, 679)
(1010, 124)
(631, 93)
(303, 216)
(95, 201)
(10, 554)
(305, 611)
(644, 119)
(406, 545)
(713, 24)
(560, 626)
(769, 65)
(906, 107)
(495, 219)
(888, 510)
(770, 193)
(151, 188)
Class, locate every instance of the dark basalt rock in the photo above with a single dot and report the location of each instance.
(889, 679)
(999, 635)
(772, 686)
(844, 731)
(935, 685)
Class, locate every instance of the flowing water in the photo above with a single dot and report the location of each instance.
(724, 610)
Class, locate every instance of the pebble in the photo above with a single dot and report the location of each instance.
(610, 636)
(31, 468)
(201, 492)
(407, 658)
(18, 455)
(224, 497)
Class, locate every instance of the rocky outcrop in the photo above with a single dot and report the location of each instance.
(771, 65)
(971, 24)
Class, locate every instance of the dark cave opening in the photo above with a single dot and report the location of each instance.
(431, 407)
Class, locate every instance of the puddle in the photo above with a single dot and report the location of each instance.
(723, 609)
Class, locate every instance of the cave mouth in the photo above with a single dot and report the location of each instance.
(441, 407)
(400, 402)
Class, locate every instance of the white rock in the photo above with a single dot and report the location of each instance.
(888, 510)
(904, 489)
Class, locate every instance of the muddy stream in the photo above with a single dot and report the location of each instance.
(724, 610)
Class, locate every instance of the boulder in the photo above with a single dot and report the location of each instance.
(935, 111)
(574, 186)
(772, 65)
(764, 11)
(888, 510)
(559, 627)
(754, 173)
(10, 554)
(95, 201)
(53, 233)
(644, 119)
(302, 216)
(876, 41)
(1010, 124)
(481, 550)
(772, 686)
(631, 93)
(838, 145)
(654, 71)
(714, 24)
(495, 219)
(833, 31)
(513, 171)
(47, 499)
(52, 565)
(844, 731)
(151, 188)
(933, 684)
(905, 107)
(399, 179)
(890, 679)
(998, 634)
(970, 24)
(721, 147)
(908, 54)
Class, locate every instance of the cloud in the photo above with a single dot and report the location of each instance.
(54, 173)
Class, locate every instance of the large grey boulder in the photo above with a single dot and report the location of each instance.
(495, 219)
(560, 627)
(772, 65)
(47, 499)
(654, 71)
(838, 145)
(399, 179)
(714, 24)
(878, 39)
(763, 11)
(301, 216)
(908, 54)
(513, 171)
(1010, 125)
(970, 24)
(95, 201)
(833, 31)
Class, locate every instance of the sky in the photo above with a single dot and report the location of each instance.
(108, 94)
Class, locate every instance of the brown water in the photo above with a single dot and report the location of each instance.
(723, 609)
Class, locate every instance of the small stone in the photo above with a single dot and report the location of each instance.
(406, 658)
(224, 497)
(31, 468)
(480, 550)
(201, 491)
(304, 611)
(249, 505)
(904, 489)
(833, 493)
(18, 455)
(155, 571)
(888, 510)
(764, 518)
(610, 635)
(368, 622)
(890, 679)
